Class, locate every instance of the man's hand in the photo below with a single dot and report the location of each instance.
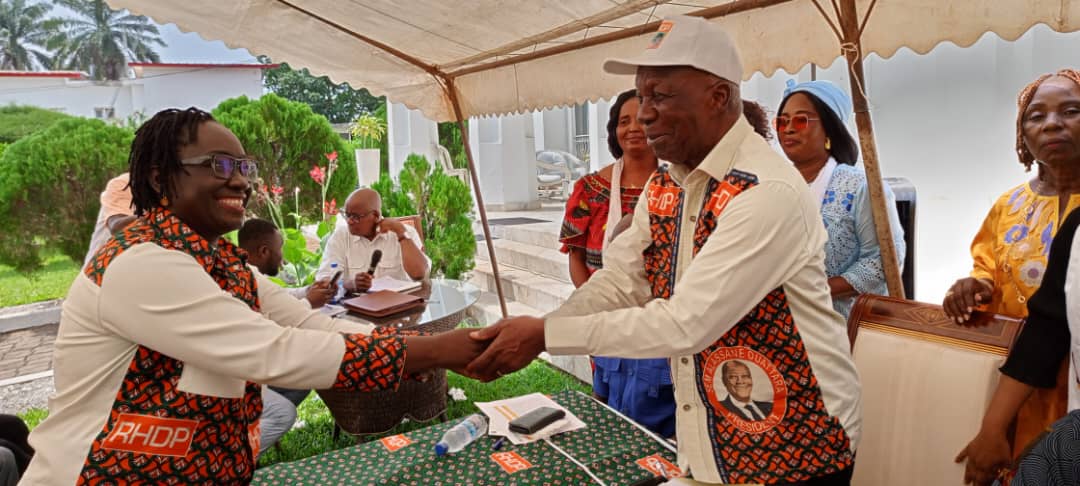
(987, 455)
(392, 225)
(452, 350)
(460, 349)
(361, 282)
(515, 342)
(964, 296)
(319, 293)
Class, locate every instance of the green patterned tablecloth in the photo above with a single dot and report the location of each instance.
(610, 447)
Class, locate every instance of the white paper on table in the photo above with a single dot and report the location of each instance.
(390, 283)
(332, 310)
(501, 412)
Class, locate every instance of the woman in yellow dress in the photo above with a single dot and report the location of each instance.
(1011, 249)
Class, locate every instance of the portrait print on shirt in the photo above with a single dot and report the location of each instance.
(746, 388)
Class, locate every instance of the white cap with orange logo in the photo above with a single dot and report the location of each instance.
(686, 41)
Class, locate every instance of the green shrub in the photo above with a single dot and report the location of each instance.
(19, 121)
(289, 139)
(444, 204)
(50, 184)
(394, 202)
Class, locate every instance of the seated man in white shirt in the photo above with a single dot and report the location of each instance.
(352, 245)
(263, 242)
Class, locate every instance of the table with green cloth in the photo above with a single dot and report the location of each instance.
(611, 447)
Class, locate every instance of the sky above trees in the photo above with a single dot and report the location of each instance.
(186, 47)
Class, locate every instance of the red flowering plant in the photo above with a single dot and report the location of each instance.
(301, 259)
(271, 197)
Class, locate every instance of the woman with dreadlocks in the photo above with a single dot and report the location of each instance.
(166, 333)
(1011, 255)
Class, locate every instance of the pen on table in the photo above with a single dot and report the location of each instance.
(498, 443)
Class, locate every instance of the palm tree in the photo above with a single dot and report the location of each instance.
(26, 36)
(101, 41)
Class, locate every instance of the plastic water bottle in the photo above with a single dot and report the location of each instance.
(462, 434)
(340, 285)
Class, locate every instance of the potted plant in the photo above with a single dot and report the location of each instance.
(368, 131)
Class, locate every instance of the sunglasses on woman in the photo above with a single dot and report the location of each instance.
(797, 122)
(223, 166)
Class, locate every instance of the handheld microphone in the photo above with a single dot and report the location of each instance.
(375, 257)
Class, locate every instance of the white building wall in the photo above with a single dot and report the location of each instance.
(74, 97)
(557, 129)
(203, 88)
(157, 88)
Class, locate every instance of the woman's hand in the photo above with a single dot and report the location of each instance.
(964, 296)
(987, 454)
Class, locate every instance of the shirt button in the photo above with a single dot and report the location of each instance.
(693, 219)
(686, 407)
(685, 360)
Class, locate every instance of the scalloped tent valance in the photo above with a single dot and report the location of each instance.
(507, 57)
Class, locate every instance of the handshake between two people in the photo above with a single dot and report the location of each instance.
(483, 354)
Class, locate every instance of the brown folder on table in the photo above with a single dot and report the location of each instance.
(383, 303)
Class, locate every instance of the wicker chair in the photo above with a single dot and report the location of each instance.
(376, 412)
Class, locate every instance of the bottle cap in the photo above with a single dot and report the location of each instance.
(441, 449)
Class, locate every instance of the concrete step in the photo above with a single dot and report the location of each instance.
(486, 311)
(544, 235)
(539, 260)
(537, 291)
(30, 315)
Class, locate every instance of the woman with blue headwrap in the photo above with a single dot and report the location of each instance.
(810, 127)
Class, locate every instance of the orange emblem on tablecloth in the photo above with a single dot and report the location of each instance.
(659, 466)
(511, 462)
(395, 442)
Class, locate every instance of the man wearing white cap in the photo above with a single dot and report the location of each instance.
(723, 261)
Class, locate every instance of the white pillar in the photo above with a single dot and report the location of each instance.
(598, 118)
(594, 138)
(538, 131)
(505, 162)
(409, 132)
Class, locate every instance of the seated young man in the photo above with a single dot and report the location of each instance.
(263, 243)
(352, 246)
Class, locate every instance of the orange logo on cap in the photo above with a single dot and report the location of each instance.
(665, 27)
(395, 442)
(511, 462)
(147, 434)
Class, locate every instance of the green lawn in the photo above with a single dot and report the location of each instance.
(50, 282)
(316, 434)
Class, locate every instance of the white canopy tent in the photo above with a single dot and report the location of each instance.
(455, 60)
